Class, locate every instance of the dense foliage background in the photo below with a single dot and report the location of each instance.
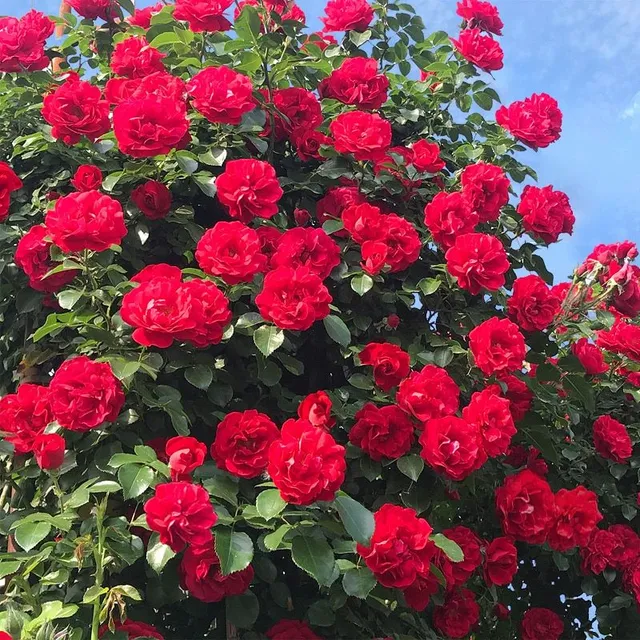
(280, 355)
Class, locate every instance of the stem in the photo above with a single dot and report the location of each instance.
(57, 490)
(272, 120)
(98, 555)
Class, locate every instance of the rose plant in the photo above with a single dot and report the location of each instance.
(280, 355)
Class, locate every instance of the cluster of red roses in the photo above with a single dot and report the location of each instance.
(22, 42)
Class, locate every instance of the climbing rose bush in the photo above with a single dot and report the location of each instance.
(281, 358)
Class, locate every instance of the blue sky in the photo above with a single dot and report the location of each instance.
(586, 53)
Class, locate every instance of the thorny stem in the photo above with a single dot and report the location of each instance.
(98, 555)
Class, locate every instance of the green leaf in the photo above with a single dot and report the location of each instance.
(187, 162)
(268, 339)
(337, 330)
(443, 356)
(272, 541)
(111, 180)
(451, 549)
(359, 38)
(168, 37)
(331, 226)
(214, 157)
(360, 381)
(67, 299)
(429, 286)
(105, 486)
(321, 614)
(411, 466)
(361, 284)
(158, 554)
(135, 479)
(93, 593)
(235, 550)
(580, 389)
(206, 184)
(242, 611)
(314, 555)
(199, 376)
(248, 24)
(358, 582)
(30, 534)
(270, 504)
(357, 520)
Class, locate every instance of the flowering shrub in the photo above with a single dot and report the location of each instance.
(280, 356)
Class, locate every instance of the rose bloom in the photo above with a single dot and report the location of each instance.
(541, 624)
(316, 408)
(301, 110)
(480, 15)
(492, 414)
(611, 256)
(482, 51)
(22, 42)
(213, 310)
(497, 346)
(364, 222)
(366, 136)
(628, 548)
(133, 630)
(418, 594)
(231, 251)
(221, 94)
(631, 579)
(535, 121)
(390, 363)
(181, 513)
(400, 549)
(308, 142)
(486, 189)
(532, 306)
(500, 562)
(458, 615)
(201, 575)
(242, 442)
(203, 15)
(526, 507)
(518, 394)
(153, 199)
(87, 177)
(135, 58)
(48, 449)
(291, 630)
(347, 15)
(402, 241)
(382, 432)
(34, 258)
(426, 157)
(306, 464)
(249, 189)
(612, 440)
(88, 220)
(150, 126)
(9, 182)
(374, 257)
(596, 556)
(590, 356)
(457, 573)
(622, 338)
(627, 300)
(358, 82)
(448, 216)
(293, 298)
(92, 9)
(76, 109)
(577, 515)
(545, 213)
(478, 261)
(185, 455)
(24, 416)
(453, 447)
(311, 248)
(142, 17)
(337, 200)
(429, 393)
(156, 85)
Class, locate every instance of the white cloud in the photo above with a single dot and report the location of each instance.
(633, 109)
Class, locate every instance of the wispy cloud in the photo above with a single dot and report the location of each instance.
(633, 110)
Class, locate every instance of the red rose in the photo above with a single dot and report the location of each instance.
(319, 39)
(418, 594)
(536, 121)
(448, 216)
(153, 199)
(316, 408)
(291, 630)
(357, 82)
(92, 9)
(221, 94)
(612, 440)
(249, 189)
(478, 261)
(393, 321)
(627, 299)
(293, 298)
(493, 416)
(426, 157)
(306, 464)
(48, 449)
(541, 624)
(308, 142)
(482, 51)
(364, 135)
(390, 363)
(628, 548)
(231, 250)
(87, 177)
(400, 549)
(150, 126)
(611, 256)
(347, 15)
(156, 85)
(84, 394)
(403, 242)
(364, 222)
(88, 220)
(428, 394)
(242, 442)
(577, 515)
(142, 17)
(631, 579)
(597, 555)
(76, 109)
(201, 575)
(34, 258)
(545, 213)
(500, 562)
(133, 630)
(311, 248)
(457, 573)
(526, 507)
(533, 306)
(185, 454)
(9, 182)
(480, 15)
(135, 58)
(486, 189)
(182, 514)
(458, 615)
(453, 447)
(212, 313)
(203, 15)
(382, 432)
(622, 338)
(590, 356)
(22, 42)
(269, 241)
(518, 394)
(24, 416)
(337, 200)
(300, 108)
(497, 346)
(374, 257)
